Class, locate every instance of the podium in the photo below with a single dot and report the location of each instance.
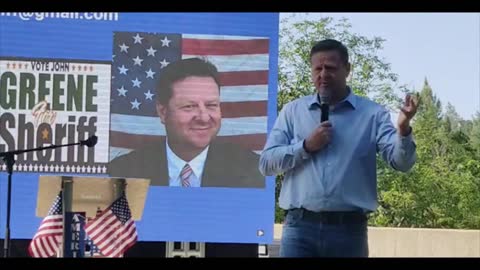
(84, 197)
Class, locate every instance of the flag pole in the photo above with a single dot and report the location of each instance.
(67, 194)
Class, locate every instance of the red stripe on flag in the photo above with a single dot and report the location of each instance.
(224, 47)
(233, 78)
(243, 109)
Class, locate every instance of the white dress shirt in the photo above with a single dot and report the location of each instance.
(176, 164)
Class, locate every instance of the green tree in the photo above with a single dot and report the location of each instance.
(455, 125)
(442, 189)
(404, 198)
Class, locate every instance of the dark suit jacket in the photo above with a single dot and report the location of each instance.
(227, 165)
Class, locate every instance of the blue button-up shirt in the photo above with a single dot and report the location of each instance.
(342, 175)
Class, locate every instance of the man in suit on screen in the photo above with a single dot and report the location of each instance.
(188, 104)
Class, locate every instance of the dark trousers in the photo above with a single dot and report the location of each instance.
(326, 234)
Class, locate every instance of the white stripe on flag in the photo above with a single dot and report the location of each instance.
(118, 151)
(49, 232)
(241, 93)
(243, 62)
(52, 224)
(152, 126)
(244, 93)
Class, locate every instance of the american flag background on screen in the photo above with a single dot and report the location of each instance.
(138, 59)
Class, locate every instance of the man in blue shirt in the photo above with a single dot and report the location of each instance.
(329, 167)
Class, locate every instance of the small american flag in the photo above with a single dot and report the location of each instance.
(46, 241)
(114, 230)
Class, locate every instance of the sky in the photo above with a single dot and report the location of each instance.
(443, 47)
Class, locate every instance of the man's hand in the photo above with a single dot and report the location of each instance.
(320, 137)
(407, 112)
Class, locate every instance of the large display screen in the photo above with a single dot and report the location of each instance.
(183, 99)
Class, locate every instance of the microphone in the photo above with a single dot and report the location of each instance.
(324, 105)
(90, 142)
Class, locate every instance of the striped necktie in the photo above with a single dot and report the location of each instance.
(185, 175)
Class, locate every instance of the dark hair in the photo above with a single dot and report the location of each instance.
(330, 45)
(180, 70)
